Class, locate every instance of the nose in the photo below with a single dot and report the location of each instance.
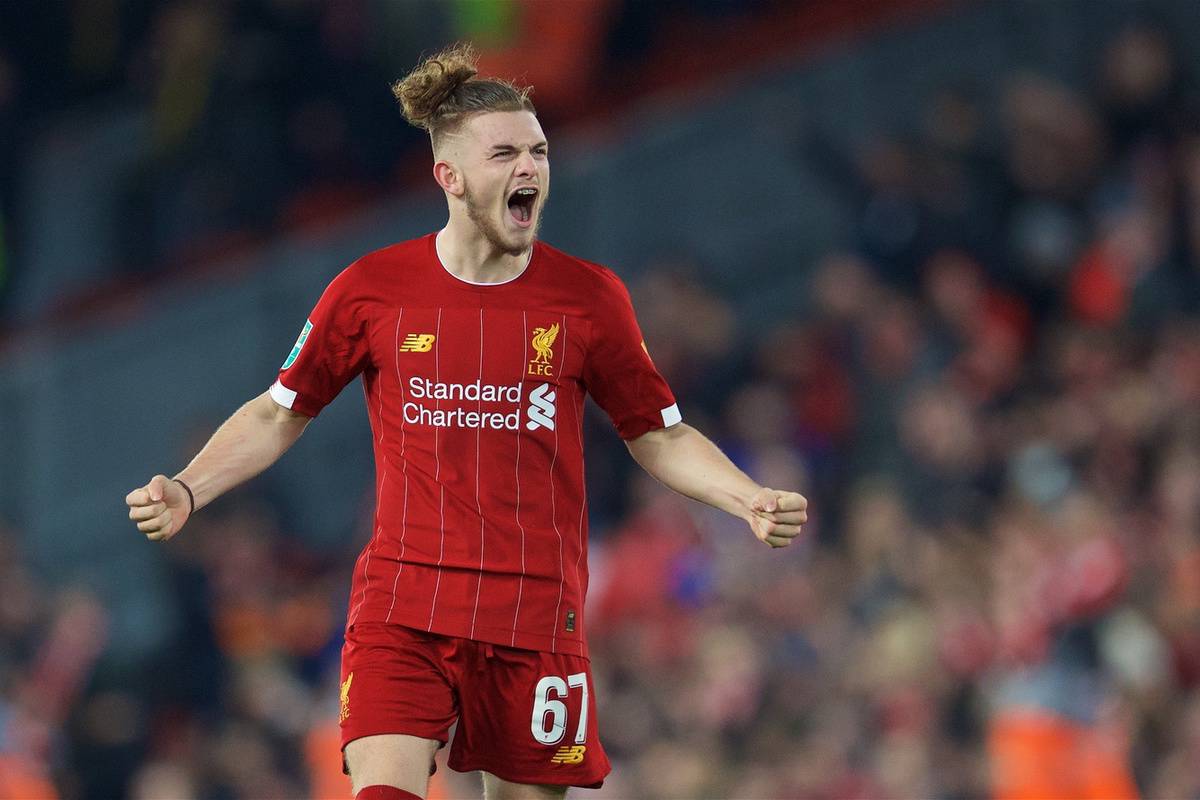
(525, 166)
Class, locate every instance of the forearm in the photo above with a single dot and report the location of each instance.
(684, 460)
(247, 443)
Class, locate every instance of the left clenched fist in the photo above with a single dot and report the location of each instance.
(776, 517)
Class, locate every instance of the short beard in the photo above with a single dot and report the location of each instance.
(487, 226)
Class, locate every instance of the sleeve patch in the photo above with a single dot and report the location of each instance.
(671, 415)
(298, 346)
(282, 395)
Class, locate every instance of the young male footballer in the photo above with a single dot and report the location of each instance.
(476, 346)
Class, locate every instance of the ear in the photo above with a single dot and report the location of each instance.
(448, 178)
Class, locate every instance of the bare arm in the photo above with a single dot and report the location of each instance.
(248, 442)
(684, 460)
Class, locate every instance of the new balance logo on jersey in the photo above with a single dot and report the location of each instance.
(571, 754)
(417, 343)
(540, 408)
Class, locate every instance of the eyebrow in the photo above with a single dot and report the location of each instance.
(502, 147)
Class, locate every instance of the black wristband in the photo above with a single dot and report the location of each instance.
(191, 497)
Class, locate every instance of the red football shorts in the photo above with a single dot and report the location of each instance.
(523, 715)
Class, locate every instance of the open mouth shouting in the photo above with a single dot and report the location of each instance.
(521, 204)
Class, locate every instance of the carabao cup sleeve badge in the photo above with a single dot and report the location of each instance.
(298, 346)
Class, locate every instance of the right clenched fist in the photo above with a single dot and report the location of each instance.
(159, 508)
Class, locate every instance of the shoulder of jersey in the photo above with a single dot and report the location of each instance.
(386, 257)
(595, 276)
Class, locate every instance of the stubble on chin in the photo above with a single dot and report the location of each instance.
(495, 236)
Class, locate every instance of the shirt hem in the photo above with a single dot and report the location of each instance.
(642, 424)
(294, 400)
(575, 645)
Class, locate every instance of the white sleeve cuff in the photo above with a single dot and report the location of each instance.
(670, 415)
(285, 396)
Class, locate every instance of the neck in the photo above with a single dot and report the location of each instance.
(468, 255)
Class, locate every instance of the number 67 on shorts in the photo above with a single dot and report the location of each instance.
(526, 716)
(549, 724)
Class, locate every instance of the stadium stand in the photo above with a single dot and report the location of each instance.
(954, 298)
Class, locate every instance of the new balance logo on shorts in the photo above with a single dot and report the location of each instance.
(571, 754)
(417, 343)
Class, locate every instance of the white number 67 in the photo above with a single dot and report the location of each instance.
(549, 723)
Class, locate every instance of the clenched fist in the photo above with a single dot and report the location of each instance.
(159, 508)
(776, 517)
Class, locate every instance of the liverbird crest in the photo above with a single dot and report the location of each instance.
(543, 341)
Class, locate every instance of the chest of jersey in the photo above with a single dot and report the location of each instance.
(488, 368)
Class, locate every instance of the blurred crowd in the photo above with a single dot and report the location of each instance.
(992, 399)
(991, 396)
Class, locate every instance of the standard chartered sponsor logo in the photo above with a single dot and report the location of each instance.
(423, 389)
(417, 414)
(541, 408)
(419, 411)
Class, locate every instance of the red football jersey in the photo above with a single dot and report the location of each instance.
(475, 394)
